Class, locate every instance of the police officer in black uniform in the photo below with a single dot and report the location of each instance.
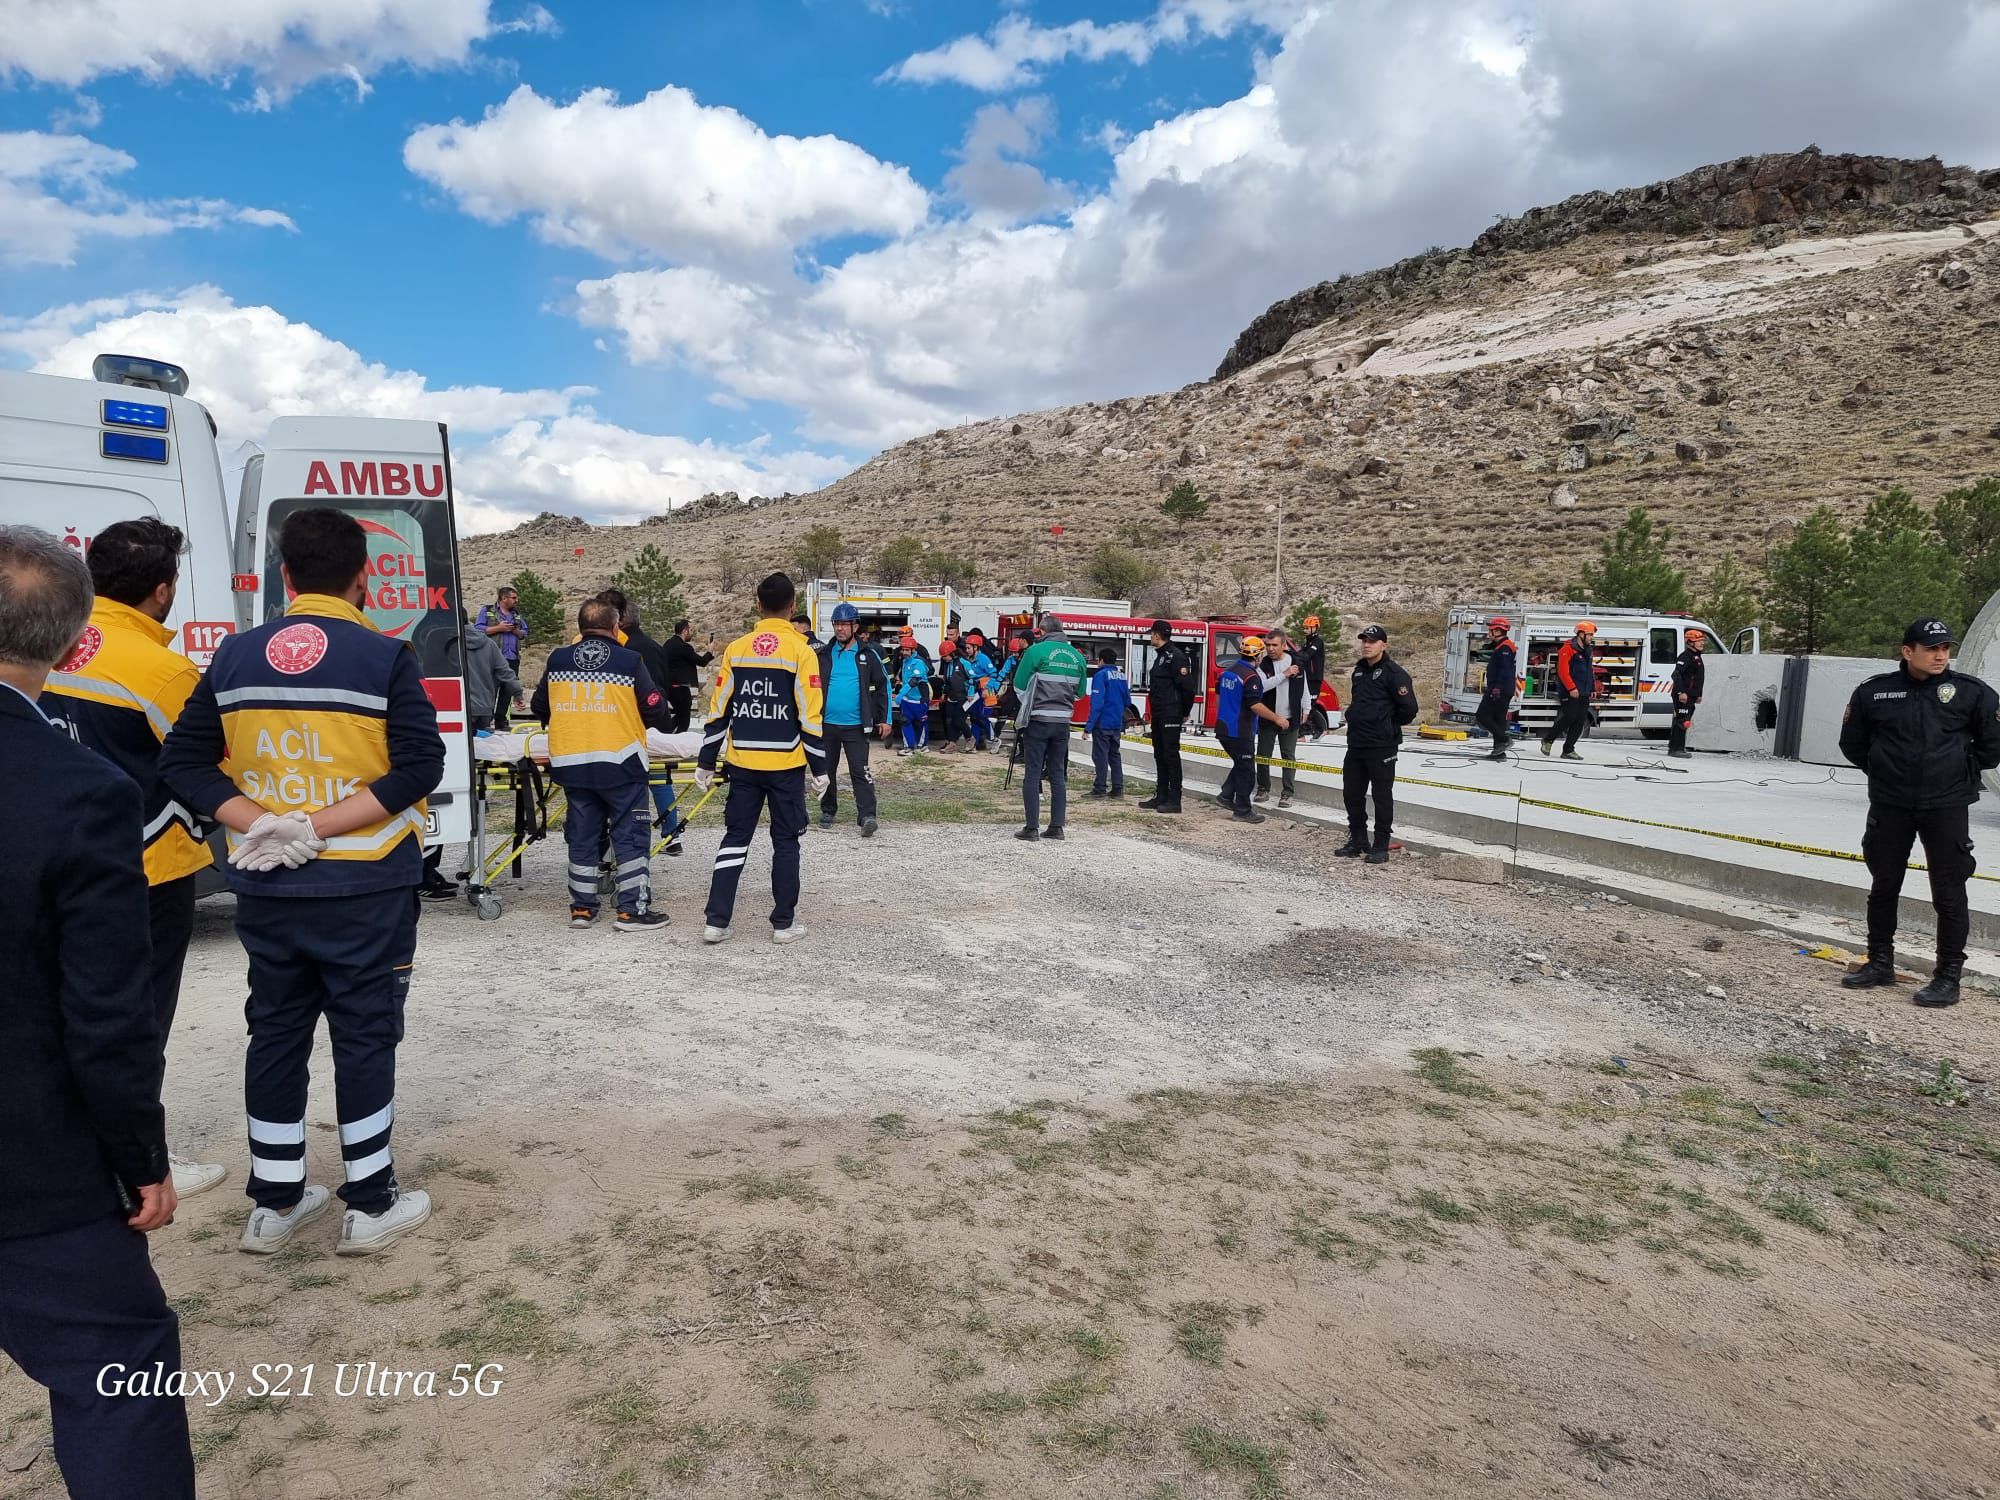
(1170, 698)
(1381, 700)
(1923, 733)
(1690, 671)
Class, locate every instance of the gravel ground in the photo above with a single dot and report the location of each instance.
(951, 968)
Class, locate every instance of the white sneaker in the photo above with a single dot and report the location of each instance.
(715, 934)
(789, 934)
(269, 1230)
(191, 1177)
(364, 1234)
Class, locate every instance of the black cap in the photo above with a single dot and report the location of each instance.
(1162, 629)
(1929, 633)
(1372, 633)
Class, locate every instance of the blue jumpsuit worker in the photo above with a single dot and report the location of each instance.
(1498, 697)
(1110, 700)
(857, 704)
(764, 718)
(598, 699)
(311, 740)
(979, 667)
(119, 693)
(1576, 685)
(914, 699)
(1381, 700)
(1690, 674)
(1239, 704)
(1923, 733)
(1170, 698)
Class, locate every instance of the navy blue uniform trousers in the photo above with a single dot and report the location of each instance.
(617, 816)
(749, 792)
(348, 958)
(71, 1304)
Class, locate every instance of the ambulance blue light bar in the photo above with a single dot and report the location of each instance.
(135, 414)
(135, 446)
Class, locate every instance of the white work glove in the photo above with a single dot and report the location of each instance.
(704, 778)
(277, 839)
(818, 785)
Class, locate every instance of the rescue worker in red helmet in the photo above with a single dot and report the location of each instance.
(1501, 676)
(1689, 670)
(1576, 685)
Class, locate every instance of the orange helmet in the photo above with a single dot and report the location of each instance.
(1586, 627)
(1311, 622)
(1252, 645)
(1697, 635)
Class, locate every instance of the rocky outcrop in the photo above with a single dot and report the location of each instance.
(1807, 190)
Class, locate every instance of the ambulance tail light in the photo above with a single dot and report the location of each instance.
(148, 374)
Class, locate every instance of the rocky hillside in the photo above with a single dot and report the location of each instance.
(1730, 349)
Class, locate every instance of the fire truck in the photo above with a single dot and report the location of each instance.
(1210, 644)
(77, 455)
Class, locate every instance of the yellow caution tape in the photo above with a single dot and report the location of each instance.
(1585, 812)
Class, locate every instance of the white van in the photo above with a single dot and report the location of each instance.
(1635, 650)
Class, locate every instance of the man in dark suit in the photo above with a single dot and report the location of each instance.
(84, 1172)
(684, 665)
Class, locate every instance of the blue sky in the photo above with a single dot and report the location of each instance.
(633, 251)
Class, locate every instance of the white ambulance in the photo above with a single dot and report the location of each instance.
(77, 455)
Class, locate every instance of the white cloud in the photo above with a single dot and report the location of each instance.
(1017, 51)
(1375, 128)
(280, 45)
(514, 452)
(56, 192)
(993, 179)
(666, 175)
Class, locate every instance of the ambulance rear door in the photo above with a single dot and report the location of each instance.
(394, 477)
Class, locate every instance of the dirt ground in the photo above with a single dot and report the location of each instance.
(1179, 1160)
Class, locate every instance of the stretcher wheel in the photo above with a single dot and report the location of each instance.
(489, 906)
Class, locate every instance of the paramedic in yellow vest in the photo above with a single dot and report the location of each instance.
(764, 719)
(119, 693)
(311, 740)
(598, 700)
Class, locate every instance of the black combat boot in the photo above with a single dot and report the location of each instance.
(1942, 990)
(1880, 969)
(1354, 848)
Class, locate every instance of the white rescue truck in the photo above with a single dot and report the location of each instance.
(886, 607)
(77, 455)
(1635, 650)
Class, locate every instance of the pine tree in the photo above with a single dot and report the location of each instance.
(1807, 580)
(653, 585)
(1632, 571)
(819, 552)
(1968, 523)
(948, 569)
(540, 605)
(1730, 603)
(1900, 571)
(1329, 618)
(1118, 574)
(899, 559)
(1184, 504)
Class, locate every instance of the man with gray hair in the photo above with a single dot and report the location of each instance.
(85, 1176)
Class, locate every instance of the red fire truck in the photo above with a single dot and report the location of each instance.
(1211, 645)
